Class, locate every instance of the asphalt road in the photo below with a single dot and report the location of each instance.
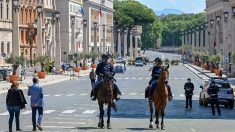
(68, 107)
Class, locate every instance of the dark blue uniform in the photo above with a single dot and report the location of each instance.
(188, 87)
(213, 92)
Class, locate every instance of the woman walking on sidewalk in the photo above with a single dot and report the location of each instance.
(15, 101)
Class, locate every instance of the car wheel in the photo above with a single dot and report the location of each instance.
(205, 104)
(226, 106)
(231, 105)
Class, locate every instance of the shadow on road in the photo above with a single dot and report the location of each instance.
(87, 128)
(138, 108)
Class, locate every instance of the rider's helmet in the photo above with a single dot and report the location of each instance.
(104, 58)
(158, 61)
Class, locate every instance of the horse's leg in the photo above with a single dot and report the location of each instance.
(162, 123)
(109, 114)
(157, 118)
(151, 114)
(101, 119)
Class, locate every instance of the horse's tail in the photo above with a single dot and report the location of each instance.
(114, 106)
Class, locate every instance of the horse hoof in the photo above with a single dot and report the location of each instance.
(157, 126)
(150, 126)
(162, 127)
(98, 124)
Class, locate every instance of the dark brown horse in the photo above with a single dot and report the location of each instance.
(160, 99)
(106, 95)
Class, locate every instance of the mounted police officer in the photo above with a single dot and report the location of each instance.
(156, 72)
(213, 92)
(103, 68)
(188, 87)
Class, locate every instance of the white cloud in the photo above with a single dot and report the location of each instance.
(172, 1)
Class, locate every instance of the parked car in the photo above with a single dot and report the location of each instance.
(139, 63)
(5, 73)
(119, 68)
(225, 94)
(120, 60)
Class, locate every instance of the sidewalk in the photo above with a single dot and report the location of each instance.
(206, 74)
(50, 79)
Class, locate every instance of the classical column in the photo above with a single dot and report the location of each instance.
(73, 45)
(58, 43)
(15, 32)
(39, 49)
(104, 39)
(193, 39)
(119, 43)
(136, 45)
(202, 39)
(125, 43)
(131, 46)
(95, 38)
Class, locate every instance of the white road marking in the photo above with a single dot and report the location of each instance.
(70, 95)
(78, 123)
(133, 94)
(183, 78)
(26, 112)
(46, 95)
(49, 111)
(127, 78)
(176, 78)
(58, 95)
(173, 94)
(83, 94)
(182, 95)
(68, 111)
(196, 96)
(193, 130)
(123, 93)
(143, 93)
(62, 127)
(119, 78)
(89, 112)
(4, 114)
(147, 78)
(133, 78)
(141, 78)
(170, 78)
(83, 79)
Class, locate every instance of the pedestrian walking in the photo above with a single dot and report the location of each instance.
(15, 101)
(37, 103)
(63, 67)
(188, 87)
(213, 92)
(92, 76)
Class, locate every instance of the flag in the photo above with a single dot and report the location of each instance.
(100, 13)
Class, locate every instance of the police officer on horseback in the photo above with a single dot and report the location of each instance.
(156, 72)
(103, 68)
(213, 92)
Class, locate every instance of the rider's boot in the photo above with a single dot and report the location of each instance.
(150, 91)
(147, 92)
(118, 92)
(94, 93)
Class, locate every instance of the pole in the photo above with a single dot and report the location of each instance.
(58, 46)
(104, 40)
(39, 35)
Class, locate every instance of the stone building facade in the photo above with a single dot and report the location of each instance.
(5, 28)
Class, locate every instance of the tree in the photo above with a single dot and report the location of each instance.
(42, 59)
(15, 61)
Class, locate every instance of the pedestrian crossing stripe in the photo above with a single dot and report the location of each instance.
(133, 94)
(70, 95)
(58, 95)
(48, 111)
(5, 113)
(89, 112)
(83, 94)
(68, 111)
(26, 112)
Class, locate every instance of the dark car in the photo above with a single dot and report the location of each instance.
(4, 74)
(139, 63)
(225, 94)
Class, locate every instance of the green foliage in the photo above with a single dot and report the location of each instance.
(173, 25)
(131, 62)
(94, 56)
(42, 59)
(186, 48)
(214, 59)
(15, 61)
(48, 64)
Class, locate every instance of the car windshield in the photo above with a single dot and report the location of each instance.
(223, 85)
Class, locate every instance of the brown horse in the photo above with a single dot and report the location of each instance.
(106, 95)
(160, 99)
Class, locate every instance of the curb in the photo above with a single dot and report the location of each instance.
(187, 66)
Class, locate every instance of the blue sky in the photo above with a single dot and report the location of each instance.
(187, 6)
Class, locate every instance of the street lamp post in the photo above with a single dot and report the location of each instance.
(15, 39)
(39, 49)
(73, 35)
(95, 38)
(104, 40)
(85, 46)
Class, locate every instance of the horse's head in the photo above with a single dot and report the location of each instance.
(165, 73)
(108, 78)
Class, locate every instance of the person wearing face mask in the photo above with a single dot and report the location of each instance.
(103, 68)
(213, 92)
(188, 87)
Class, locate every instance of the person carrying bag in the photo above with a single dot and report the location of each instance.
(15, 101)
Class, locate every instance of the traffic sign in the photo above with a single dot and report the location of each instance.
(4, 55)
